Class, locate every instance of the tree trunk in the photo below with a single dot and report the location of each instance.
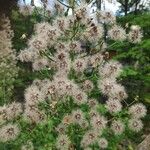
(126, 7)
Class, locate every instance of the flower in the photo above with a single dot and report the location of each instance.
(9, 132)
(27, 146)
(135, 35)
(107, 86)
(106, 17)
(94, 33)
(33, 115)
(135, 125)
(79, 65)
(99, 122)
(26, 10)
(59, 8)
(111, 69)
(117, 33)
(84, 124)
(28, 55)
(113, 106)
(10, 111)
(75, 46)
(77, 116)
(81, 11)
(138, 110)
(63, 142)
(89, 138)
(61, 128)
(61, 23)
(49, 88)
(40, 64)
(93, 113)
(79, 97)
(102, 143)
(33, 95)
(117, 127)
(96, 60)
(67, 119)
(38, 43)
(92, 103)
(87, 85)
(118, 92)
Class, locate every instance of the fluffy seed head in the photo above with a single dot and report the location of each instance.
(113, 106)
(117, 127)
(102, 143)
(9, 132)
(117, 33)
(135, 35)
(63, 142)
(89, 138)
(138, 110)
(98, 122)
(135, 125)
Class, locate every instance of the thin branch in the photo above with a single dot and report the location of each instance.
(64, 4)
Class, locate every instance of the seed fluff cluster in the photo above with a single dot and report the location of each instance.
(74, 48)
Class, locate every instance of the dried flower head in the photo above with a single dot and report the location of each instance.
(98, 122)
(63, 142)
(138, 110)
(113, 106)
(9, 132)
(77, 116)
(111, 69)
(117, 127)
(61, 128)
(135, 125)
(106, 17)
(135, 35)
(79, 65)
(27, 146)
(102, 143)
(87, 85)
(79, 97)
(89, 138)
(33, 95)
(117, 33)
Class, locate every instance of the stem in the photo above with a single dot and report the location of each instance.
(64, 4)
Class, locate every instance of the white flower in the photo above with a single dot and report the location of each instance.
(61, 128)
(135, 35)
(106, 17)
(111, 69)
(28, 55)
(113, 106)
(102, 143)
(77, 116)
(33, 95)
(9, 132)
(40, 64)
(117, 33)
(138, 110)
(98, 122)
(63, 142)
(89, 138)
(118, 127)
(135, 125)
(79, 97)
(79, 65)
(87, 85)
(27, 146)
